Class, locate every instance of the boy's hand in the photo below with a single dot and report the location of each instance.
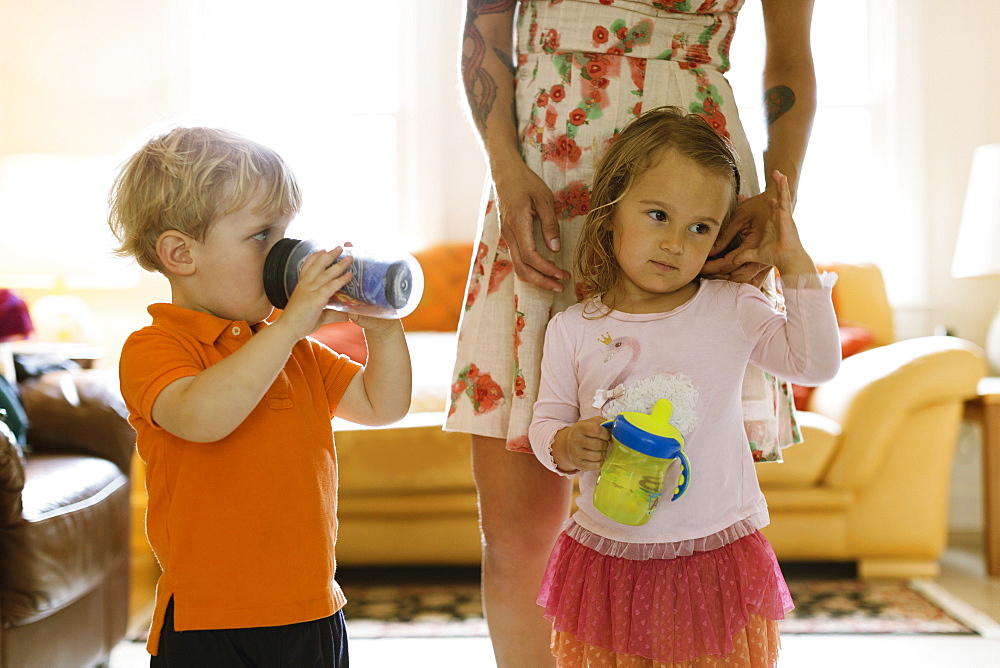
(582, 446)
(320, 277)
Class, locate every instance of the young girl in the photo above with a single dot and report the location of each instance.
(697, 584)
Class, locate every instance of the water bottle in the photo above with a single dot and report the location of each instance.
(633, 475)
(381, 287)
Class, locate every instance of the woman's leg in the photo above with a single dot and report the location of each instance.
(522, 507)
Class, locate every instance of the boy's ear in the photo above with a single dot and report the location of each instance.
(174, 250)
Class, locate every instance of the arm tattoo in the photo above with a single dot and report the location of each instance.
(480, 87)
(777, 101)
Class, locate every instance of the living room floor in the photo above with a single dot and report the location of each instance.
(963, 576)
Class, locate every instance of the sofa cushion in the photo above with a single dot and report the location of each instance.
(11, 478)
(80, 412)
(804, 464)
(412, 456)
(69, 535)
(853, 340)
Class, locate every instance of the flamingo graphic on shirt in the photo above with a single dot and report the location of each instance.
(641, 394)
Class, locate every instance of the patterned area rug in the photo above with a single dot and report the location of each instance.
(824, 606)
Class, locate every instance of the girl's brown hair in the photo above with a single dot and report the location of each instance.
(637, 148)
(188, 178)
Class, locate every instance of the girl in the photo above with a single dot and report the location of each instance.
(697, 584)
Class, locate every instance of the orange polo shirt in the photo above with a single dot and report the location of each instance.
(244, 528)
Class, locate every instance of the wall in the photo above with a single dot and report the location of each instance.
(947, 58)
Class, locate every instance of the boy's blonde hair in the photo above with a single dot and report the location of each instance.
(188, 178)
(638, 147)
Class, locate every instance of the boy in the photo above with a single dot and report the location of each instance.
(232, 410)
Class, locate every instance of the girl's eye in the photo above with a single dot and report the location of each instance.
(260, 236)
(657, 215)
(700, 228)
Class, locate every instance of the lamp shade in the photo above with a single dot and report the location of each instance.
(977, 252)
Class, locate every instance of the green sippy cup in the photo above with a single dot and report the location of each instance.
(632, 476)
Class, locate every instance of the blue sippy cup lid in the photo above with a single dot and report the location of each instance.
(651, 435)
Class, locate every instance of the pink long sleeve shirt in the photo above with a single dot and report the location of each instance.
(694, 355)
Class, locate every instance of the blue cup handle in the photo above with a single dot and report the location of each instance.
(685, 476)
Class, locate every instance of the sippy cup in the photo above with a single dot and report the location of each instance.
(383, 288)
(632, 476)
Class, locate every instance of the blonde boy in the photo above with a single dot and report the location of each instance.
(232, 406)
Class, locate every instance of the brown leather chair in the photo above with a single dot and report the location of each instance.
(64, 524)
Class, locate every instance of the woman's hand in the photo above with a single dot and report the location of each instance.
(779, 243)
(522, 200)
(582, 446)
(745, 231)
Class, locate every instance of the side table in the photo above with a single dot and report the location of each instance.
(985, 408)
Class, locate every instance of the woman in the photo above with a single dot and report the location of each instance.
(582, 70)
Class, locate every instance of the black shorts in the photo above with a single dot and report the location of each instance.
(321, 643)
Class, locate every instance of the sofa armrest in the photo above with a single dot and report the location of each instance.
(80, 412)
(11, 478)
(878, 390)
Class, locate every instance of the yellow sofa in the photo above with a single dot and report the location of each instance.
(868, 485)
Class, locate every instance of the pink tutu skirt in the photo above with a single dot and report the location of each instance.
(708, 604)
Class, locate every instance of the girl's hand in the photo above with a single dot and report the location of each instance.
(320, 277)
(779, 241)
(522, 199)
(582, 446)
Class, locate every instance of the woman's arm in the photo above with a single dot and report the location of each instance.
(790, 106)
(488, 74)
(789, 88)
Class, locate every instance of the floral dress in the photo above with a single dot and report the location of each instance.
(585, 68)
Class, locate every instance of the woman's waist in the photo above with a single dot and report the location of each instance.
(631, 30)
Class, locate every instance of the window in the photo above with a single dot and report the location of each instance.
(320, 82)
(850, 205)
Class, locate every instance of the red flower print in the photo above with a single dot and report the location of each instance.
(607, 2)
(698, 55)
(486, 394)
(573, 200)
(600, 35)
(601, 83)
(519, 444)
(562, 151)
(551, 116)
(621, 33)
(501, 270)
(637, 109)
(543, 99)
(558, 93)
(637, 67)
(550, 42)
(482, 390)
(578, 117)
(596, 68)
(519, 386)
(616, 51)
